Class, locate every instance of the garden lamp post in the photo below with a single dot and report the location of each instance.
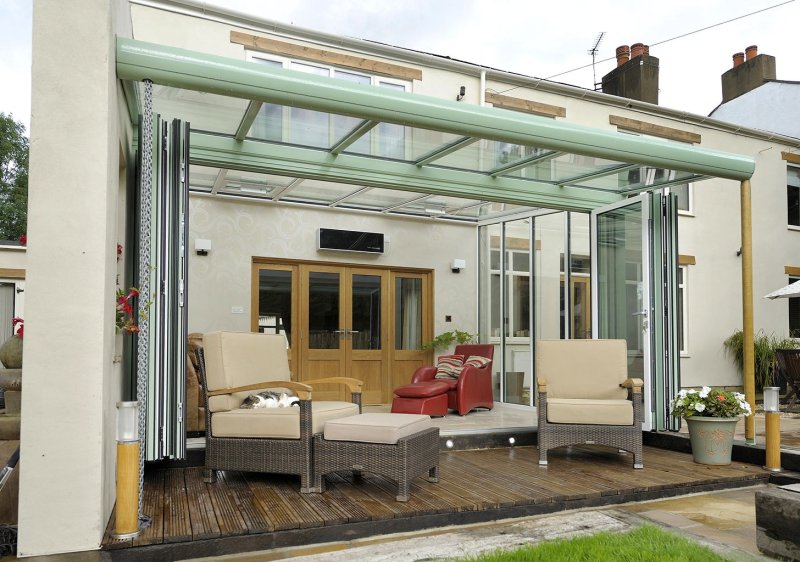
(772, 421)
(126, 523)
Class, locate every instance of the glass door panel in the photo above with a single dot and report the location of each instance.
(516, 345)
(324, 323)
(275, 302)
(408, 313)
(622, 284)
(366, 312)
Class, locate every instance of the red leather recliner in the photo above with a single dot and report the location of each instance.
(473, 388)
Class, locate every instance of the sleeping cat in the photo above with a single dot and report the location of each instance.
(270, 399)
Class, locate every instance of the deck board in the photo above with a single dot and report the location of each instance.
(247, 511)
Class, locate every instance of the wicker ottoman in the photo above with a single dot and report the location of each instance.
(398, 446)
(429, 397)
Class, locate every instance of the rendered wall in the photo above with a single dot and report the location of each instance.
(71, 383)
(240, 231)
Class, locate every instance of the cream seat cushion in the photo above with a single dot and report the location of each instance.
(376, 428)
(588, 411)
(277, 423)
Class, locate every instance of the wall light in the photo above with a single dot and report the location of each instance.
(202, 246)
(461, 92)
(457, 265)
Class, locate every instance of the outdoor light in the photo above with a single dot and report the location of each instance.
(126, 524)
(202, 246)
(457, 265)
(511, 441)
(771, 398)
(772, 422)
(449, 443)
(461, 92)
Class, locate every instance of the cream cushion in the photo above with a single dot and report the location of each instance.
(376, 428)
(593, 412)
(277, 423)
(242, 358)
(586, 369)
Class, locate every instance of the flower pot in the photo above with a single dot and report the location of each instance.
(712, 439)
(11, 353)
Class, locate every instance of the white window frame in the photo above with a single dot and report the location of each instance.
(788, 185)
(792, 279)
(690, 195)
(682, 287)
(510, 295)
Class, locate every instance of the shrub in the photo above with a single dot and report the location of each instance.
(764, 356)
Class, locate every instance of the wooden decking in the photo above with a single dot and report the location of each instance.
(247, 512)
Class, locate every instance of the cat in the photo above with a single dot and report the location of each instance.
(270, 399)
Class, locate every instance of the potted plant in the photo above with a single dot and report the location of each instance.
(764, 357)
(446, 339)
(11, 350)
(711, 415)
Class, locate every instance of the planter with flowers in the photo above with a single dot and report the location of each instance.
(711, 415)
(11, 350)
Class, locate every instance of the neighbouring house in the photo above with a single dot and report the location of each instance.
(475, 199)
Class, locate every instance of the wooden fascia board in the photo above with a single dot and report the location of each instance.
(12, 273)
(791, 157)
(529, 106)
(654, 130)
(274, 46)
(792, 270)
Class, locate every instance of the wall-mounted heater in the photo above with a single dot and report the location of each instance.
(350, 241)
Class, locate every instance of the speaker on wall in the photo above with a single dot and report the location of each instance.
(350, 241)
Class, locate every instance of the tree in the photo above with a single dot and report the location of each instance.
(13, 178)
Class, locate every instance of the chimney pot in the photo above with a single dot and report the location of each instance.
(751, 51)
(623, 54)
(738, 58)
(637, 50)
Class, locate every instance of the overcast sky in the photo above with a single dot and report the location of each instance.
(533, 38)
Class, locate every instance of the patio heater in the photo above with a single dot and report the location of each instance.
(126, 523)
(772, 421)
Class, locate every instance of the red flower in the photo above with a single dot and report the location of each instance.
(21, 327)
(721, 398)
(23, 240)
(119, 251)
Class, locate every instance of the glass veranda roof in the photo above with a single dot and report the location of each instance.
(282, 135)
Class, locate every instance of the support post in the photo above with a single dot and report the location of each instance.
(748, 366)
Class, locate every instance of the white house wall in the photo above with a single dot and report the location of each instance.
(220, 281)
(79, 130)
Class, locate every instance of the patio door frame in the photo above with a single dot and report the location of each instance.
(660, 321)
(397, 365)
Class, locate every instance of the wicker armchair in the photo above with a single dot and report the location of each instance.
(234, 365)
(582, 386)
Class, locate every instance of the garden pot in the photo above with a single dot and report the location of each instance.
(712, 439)
(11, 353)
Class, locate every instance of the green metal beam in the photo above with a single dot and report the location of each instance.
(226, 152)
(180, 68)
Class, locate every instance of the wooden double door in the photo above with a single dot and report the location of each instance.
(347, 320)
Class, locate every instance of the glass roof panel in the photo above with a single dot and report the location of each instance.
(201, 178)
(644, 176)
(379, 198)
(486, 155)
(203, 111)
(570, 166)
(438, 205)
(317, 191)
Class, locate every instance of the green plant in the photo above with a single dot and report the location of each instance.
(446, 339)
(709, 403)
(647, 542)
(764, 346)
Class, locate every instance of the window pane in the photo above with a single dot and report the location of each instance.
(580, 277)
(794, 313)
(309, 127)
(391, 137)
(323, 310)
(275, 302)
(268, 124)
(793, 204)
(682, 193)
(342, 124)
(408, 313)
(366, 312)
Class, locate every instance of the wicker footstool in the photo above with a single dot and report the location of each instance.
(398, 446)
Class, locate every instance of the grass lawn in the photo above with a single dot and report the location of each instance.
(643, 543)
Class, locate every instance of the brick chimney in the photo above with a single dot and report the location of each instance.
(635, 78)
(747, 73)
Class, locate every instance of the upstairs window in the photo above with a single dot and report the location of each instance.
(793, 195)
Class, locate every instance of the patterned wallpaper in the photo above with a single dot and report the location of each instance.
(220, 281)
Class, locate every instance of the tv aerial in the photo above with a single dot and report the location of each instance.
(593, 51)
